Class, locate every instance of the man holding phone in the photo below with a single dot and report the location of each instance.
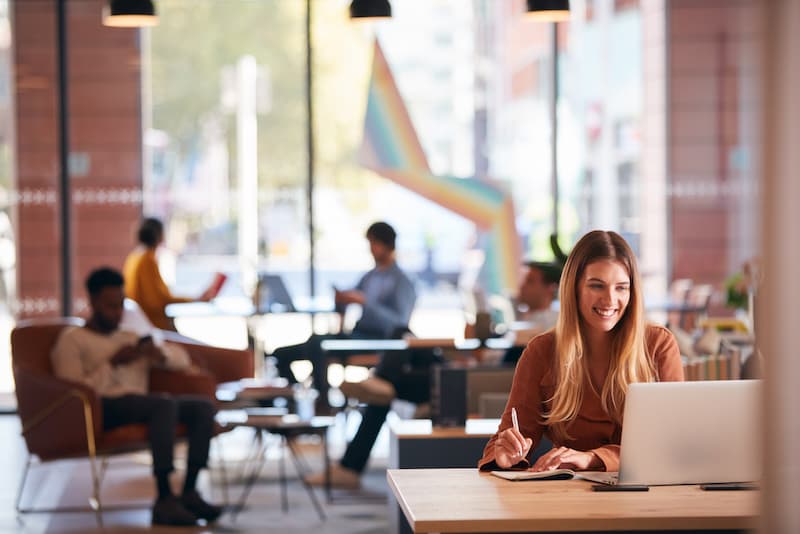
(116, 364)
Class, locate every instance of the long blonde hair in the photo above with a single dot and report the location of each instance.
(629, 360)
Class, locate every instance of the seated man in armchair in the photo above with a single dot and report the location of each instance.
(116, 364)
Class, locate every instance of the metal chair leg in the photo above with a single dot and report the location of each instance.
(97, 479)
(22, 483)
(95, 503)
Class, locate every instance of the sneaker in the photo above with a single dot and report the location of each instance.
(170, 511)
(193, 502)
(373, 390)
(341, 478)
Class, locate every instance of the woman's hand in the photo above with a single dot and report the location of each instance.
(511, 447)
(564, 457)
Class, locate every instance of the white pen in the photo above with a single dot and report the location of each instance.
(515, 422)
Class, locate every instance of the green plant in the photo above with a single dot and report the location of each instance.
(736, 291)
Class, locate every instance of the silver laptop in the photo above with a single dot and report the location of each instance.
(690, 433)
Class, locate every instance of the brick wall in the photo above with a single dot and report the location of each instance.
(105, 142)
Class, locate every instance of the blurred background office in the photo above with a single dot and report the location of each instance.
(662, 130)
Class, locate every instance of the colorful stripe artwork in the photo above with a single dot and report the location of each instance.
(391, 148)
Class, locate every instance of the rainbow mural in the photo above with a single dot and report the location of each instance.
(391, 148)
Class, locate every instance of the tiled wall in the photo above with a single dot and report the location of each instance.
(105, 143)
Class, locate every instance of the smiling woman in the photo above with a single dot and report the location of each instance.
(570, 384)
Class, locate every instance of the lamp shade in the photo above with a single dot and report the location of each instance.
(548, 10)
(360, 9)
(129, 13)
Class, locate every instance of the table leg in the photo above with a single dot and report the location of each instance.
(326, 462)
(258, 460)
(302, 471)
(282, 477)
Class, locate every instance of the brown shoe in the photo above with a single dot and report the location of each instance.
(373, 390)
(341, 478)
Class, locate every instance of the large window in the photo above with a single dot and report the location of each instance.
(8, 252)
(230, 176)
(227, 127)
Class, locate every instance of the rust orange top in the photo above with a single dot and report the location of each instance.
(593, 429)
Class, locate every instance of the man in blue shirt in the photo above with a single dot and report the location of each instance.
(386, 296)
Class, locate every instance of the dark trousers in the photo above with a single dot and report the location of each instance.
(162, 413)
(311, 350)
(410, 374)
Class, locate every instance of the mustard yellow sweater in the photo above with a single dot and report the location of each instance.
(143, 283)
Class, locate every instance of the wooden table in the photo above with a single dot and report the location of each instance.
(465, 500)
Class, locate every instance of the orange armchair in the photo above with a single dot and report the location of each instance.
(62, 419)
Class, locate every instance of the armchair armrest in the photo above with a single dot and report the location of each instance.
(225, 365)
(59, 418)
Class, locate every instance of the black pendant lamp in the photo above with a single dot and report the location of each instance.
(548, 10)
(129, 13)
(363, 9)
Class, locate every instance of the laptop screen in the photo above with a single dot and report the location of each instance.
(273, 295)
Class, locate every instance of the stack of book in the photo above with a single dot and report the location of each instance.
(723, 366)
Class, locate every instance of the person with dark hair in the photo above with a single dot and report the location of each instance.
(386, 296)
(143, 282)
(116, 364)
(534, 305)
(570, 383)
(383, 233)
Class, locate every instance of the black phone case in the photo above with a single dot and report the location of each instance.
(619, 487)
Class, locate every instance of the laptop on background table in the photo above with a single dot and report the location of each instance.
(273, 296)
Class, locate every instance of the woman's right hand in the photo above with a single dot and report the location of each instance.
(511, 447)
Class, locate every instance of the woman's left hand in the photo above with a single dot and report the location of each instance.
(564, 457)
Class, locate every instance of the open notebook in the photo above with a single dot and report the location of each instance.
(682, 433)
(601, 477)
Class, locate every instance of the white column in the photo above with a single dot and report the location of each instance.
(606, 184)
(654, 258)
(247, 166)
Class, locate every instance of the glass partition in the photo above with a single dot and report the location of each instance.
(8, 245)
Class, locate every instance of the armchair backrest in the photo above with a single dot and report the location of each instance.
(32, 340)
